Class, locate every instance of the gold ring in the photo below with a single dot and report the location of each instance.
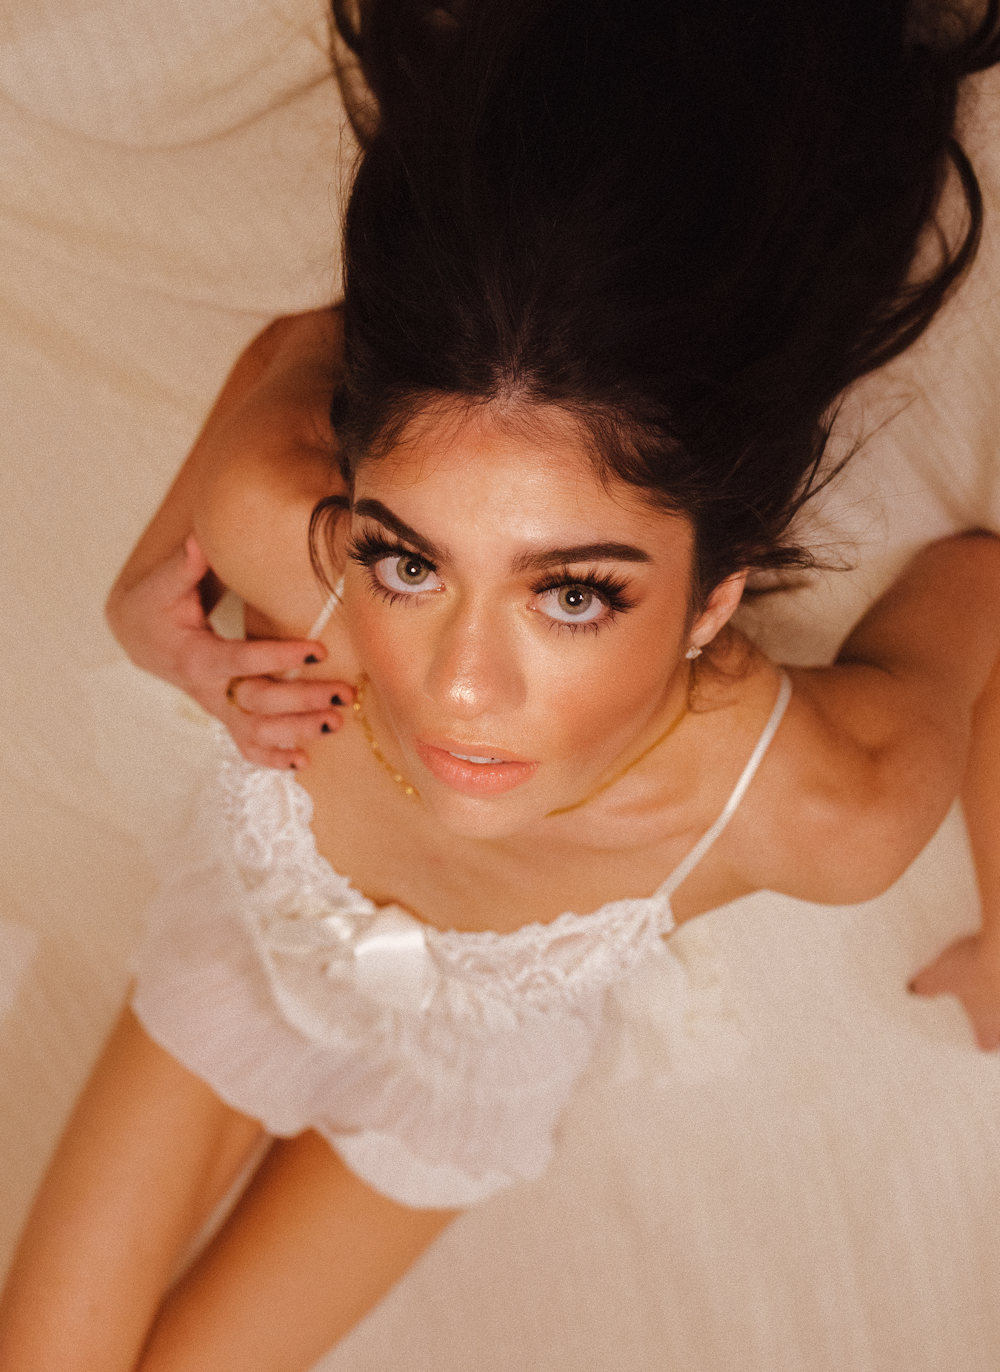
(234, 681)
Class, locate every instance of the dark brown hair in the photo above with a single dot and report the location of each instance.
(690, 224)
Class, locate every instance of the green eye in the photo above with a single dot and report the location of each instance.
(411, 571)
(575, 600)
(405, 574)
(572, 604)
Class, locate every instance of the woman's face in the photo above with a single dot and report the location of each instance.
(521, 624)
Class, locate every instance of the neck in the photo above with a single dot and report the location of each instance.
(617, 772)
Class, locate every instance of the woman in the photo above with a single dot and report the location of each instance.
(547, 529)
(878, 107)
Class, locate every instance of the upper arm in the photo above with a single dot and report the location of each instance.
(936, 631)
(896, 711)
(284, 377)
(252, 521)
(271, 459)
(148, 1152)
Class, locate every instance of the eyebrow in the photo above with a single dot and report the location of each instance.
(583, 552)
(374, 509)
(526, 562)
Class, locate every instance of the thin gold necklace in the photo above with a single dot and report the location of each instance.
(606, 786)
(408, 788)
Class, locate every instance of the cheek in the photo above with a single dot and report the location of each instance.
(577, 712)
(386, 638)
(598, 697)
(575, 698)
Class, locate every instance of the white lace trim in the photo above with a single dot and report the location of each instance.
(438, 1062)
(316, 931)
(325, 945)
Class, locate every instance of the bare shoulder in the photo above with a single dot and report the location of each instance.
(271, 458)
(856, 782)
(873, 750)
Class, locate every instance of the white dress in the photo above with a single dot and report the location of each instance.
(437, 1063)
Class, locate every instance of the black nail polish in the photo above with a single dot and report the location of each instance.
(311, 659)
(326, 728)
(336, 700)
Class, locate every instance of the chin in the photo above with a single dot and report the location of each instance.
(482, 817)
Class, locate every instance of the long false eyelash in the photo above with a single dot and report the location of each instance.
(611, 589)
(368, 548)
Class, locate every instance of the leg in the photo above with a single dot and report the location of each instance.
(308, 1250)
(148, 1153)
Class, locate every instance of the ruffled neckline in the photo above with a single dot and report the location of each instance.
(536, 933)
(292, 828)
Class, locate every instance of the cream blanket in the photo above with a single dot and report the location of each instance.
(780, 1163)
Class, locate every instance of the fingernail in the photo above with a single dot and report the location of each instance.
(326, 728)
(336, 700)
(311, 659)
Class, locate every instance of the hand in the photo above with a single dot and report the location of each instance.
(970, 970)
(161, 623)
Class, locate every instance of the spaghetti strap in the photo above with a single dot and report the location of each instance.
(323, 618)
(687, 866)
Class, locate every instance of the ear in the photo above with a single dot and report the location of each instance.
(721, 606)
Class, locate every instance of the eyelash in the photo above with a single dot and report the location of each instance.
(368, 549)
(611, 589)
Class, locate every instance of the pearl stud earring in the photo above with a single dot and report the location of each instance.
(693, 651)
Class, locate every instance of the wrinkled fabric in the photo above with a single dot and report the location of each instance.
(779, 1161)
(436, 1062)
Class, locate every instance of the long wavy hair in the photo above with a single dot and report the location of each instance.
(689, 223)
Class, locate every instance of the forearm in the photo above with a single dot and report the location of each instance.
(981, 802)
(263, 459)
(969, 968)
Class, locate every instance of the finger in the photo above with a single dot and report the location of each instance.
(925, 983)
(281, 759)
(178, 575)
(268, 753)
(286, 733)
(267, 656)
(264, 696)
(195, 560)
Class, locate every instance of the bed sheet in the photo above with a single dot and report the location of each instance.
(779, 1161)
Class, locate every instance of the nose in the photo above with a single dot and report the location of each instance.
(475, 667)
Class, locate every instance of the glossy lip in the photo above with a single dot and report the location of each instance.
(474, 778)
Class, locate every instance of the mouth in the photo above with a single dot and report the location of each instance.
(479, 772)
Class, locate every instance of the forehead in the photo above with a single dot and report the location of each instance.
(526, 471)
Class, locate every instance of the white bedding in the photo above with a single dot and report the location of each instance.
(780, 1161)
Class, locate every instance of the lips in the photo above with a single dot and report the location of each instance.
(475, 772)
